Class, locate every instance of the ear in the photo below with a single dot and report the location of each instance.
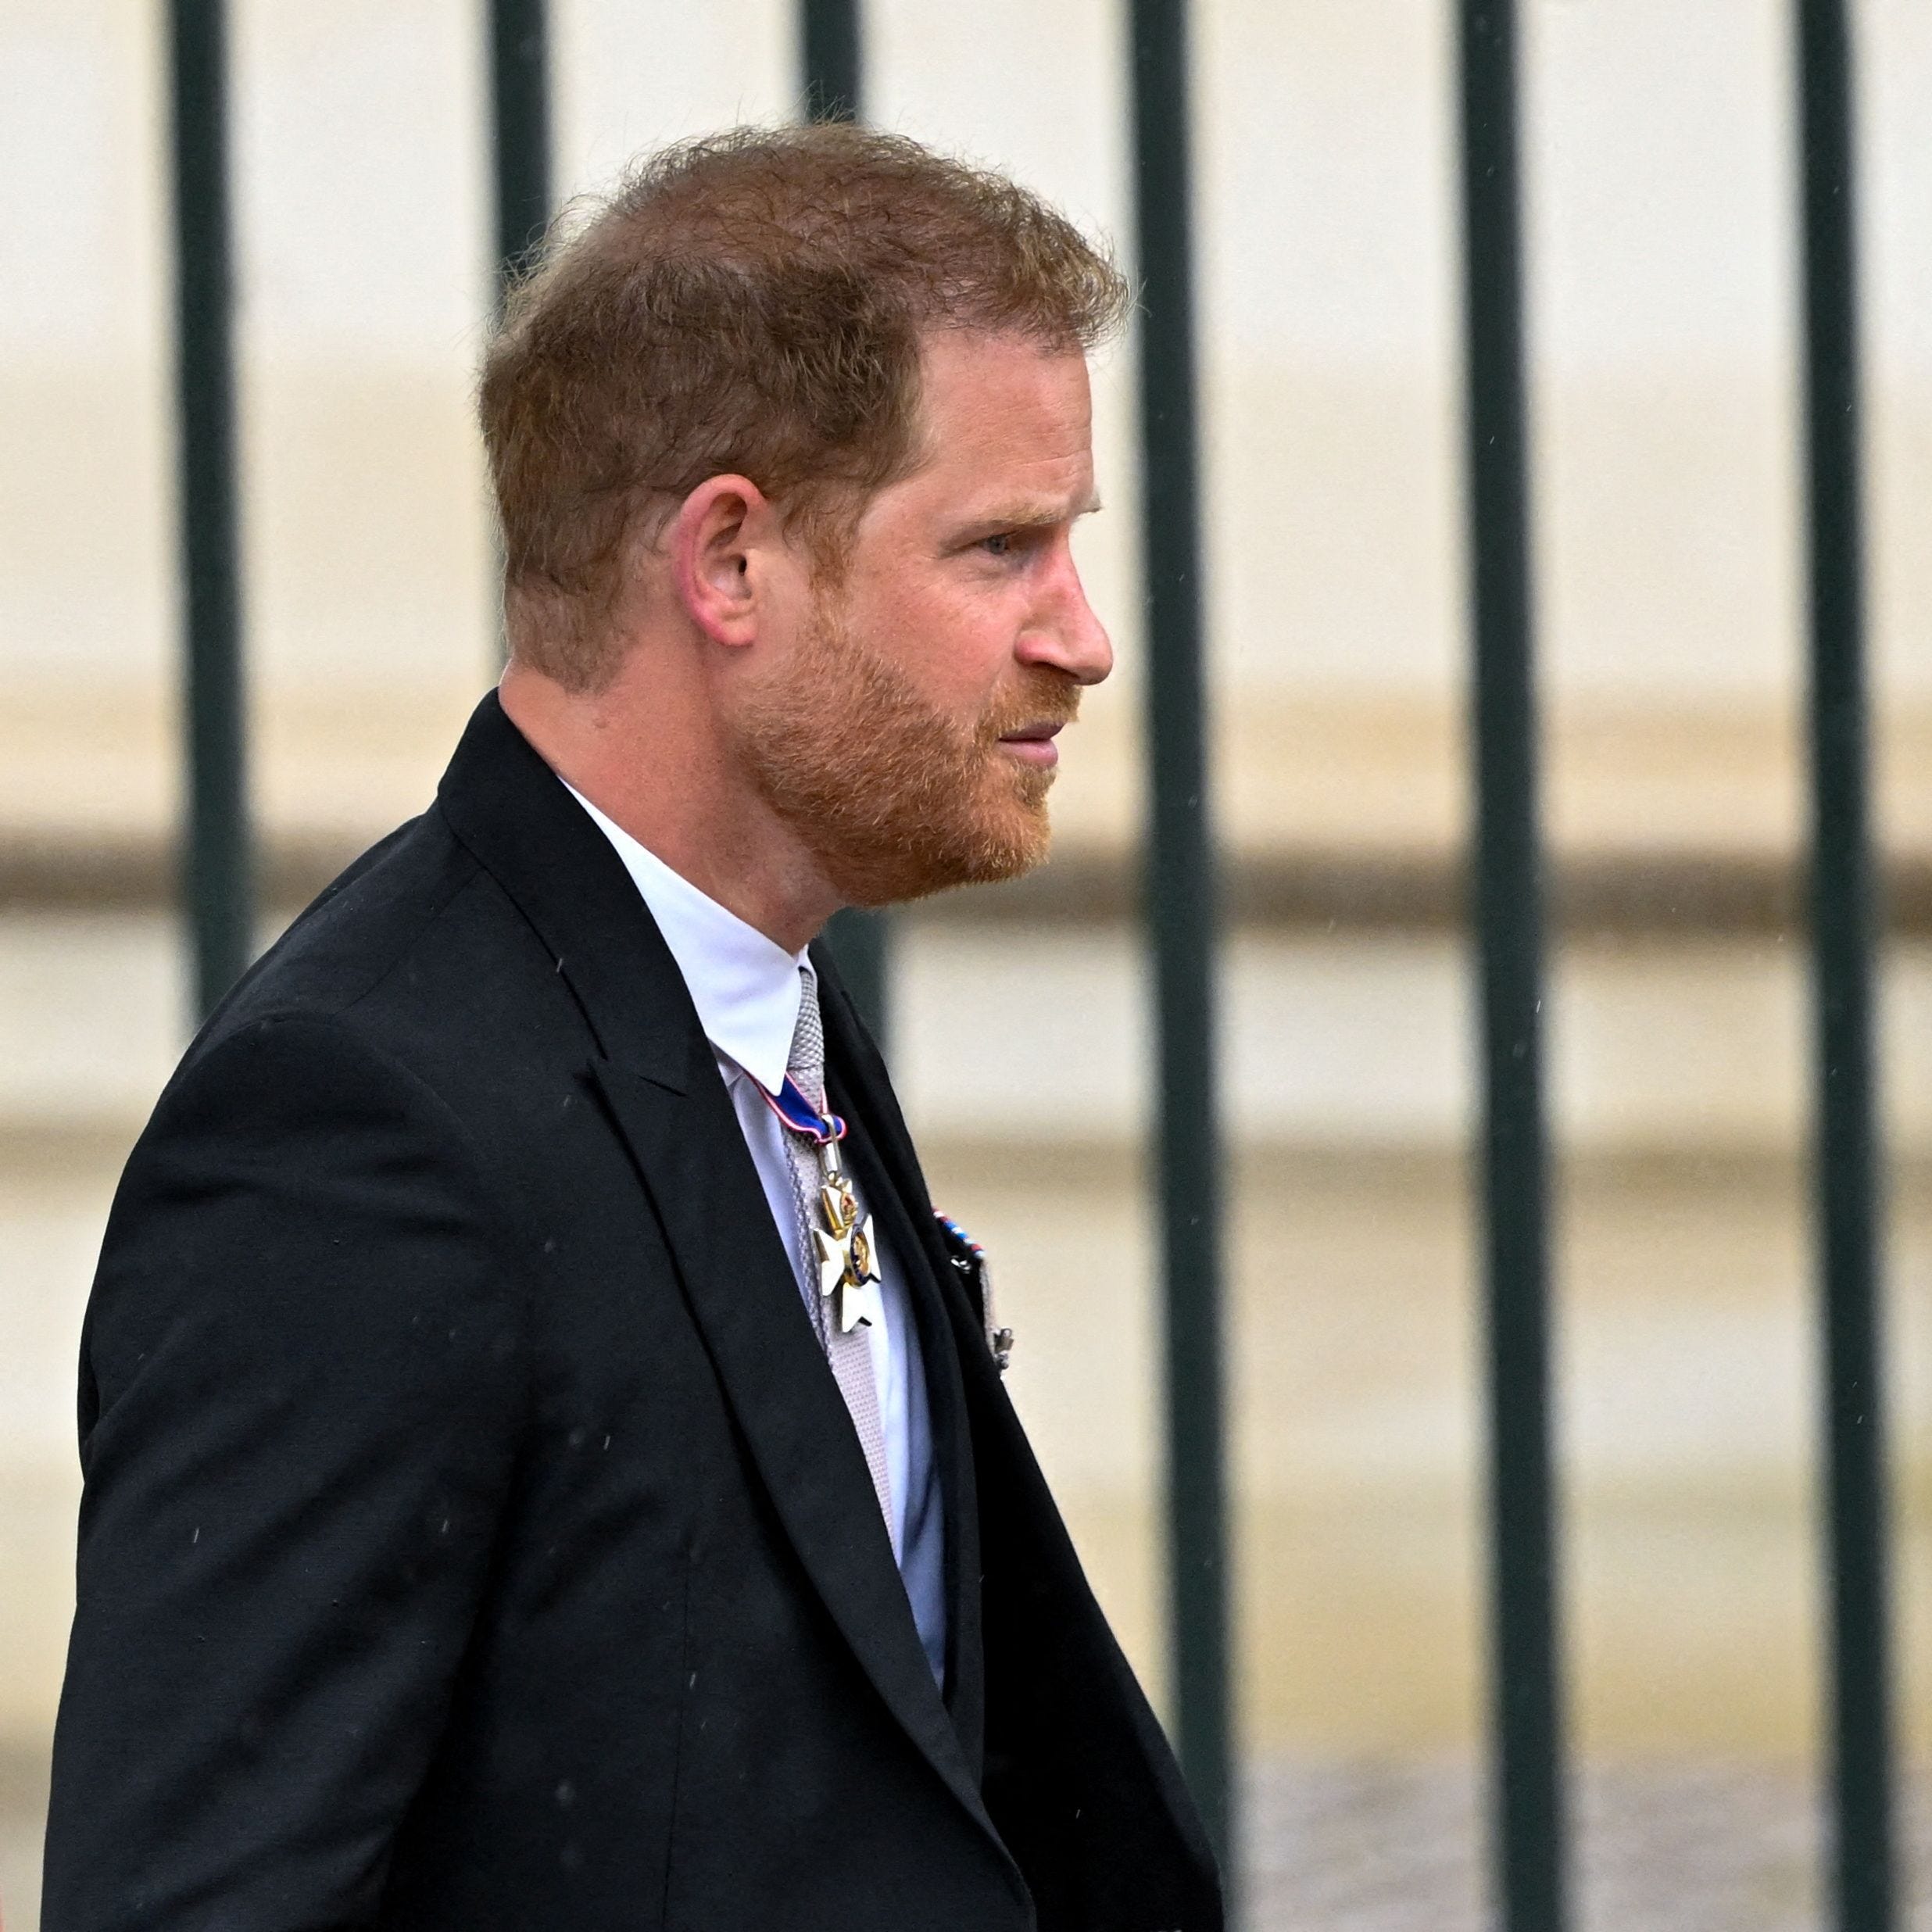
(717, 527)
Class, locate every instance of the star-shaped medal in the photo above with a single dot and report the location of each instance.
(858, 1292)
(832, 1260)
(846, 1259)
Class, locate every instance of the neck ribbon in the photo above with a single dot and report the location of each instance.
(791, 1106)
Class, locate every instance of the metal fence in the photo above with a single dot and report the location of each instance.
(1181, 898)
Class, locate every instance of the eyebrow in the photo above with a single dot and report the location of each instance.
(1035, 512)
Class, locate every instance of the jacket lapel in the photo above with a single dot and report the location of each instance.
(688, 1148)
(898, 1197)
(657, 1074)
(1029, 1542)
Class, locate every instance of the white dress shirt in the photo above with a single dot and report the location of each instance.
(747, 989)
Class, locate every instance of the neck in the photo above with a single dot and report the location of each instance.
(647, 750)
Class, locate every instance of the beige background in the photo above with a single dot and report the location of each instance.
(1660, 242)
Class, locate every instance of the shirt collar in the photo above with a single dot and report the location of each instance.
(745, 986)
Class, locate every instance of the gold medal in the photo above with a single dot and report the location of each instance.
(848, 1270)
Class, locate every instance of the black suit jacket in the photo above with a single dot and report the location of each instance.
(473, 1534)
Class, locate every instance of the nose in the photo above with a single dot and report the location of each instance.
(1065, 634)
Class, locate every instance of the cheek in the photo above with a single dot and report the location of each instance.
(954, 645)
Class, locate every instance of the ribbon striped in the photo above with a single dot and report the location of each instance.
(799, 1113)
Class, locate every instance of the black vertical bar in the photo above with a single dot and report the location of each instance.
(830, 50)
(862, 947)
(1845, 1153)
(830, 56)
(520, 147)
(520, 102)
(1528, 1773)
(1182, 912)
(218, 861)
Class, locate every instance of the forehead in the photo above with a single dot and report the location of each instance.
(969, 372)
(1003, 410)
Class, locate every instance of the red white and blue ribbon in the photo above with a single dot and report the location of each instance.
(791, 1106)
(958, 1233)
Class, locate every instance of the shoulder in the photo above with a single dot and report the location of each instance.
(413, 968)
(393, 902)
(301, 1193)
(332, 1052)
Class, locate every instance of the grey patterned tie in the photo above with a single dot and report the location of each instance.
(850, 1354)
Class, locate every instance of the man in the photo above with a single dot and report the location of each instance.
(545, 1468)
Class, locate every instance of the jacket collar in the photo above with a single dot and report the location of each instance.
(505, 806)
(745, 985)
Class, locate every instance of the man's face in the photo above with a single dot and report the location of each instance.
(906, 728)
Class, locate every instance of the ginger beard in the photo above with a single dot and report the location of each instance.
(892, 798)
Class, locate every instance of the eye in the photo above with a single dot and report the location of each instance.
(999, 545)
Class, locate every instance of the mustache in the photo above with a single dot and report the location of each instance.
(1041, 697)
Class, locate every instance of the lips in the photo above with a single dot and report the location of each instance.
(1033, 744)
